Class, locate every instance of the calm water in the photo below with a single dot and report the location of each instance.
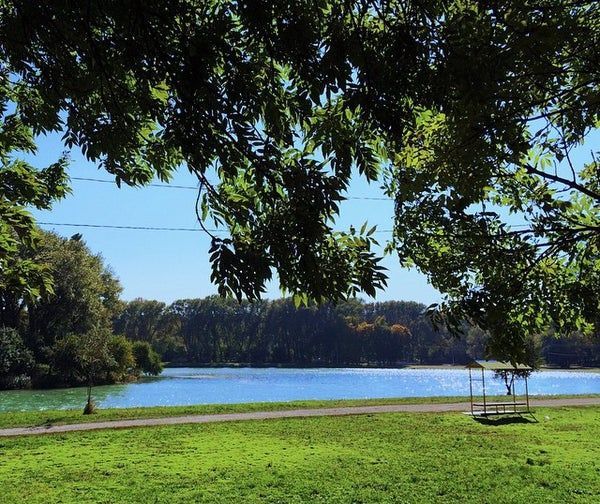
(183, 386)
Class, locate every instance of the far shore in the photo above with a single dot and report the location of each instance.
(542, 368)
(350, 366)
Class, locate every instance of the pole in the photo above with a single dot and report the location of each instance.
(527, 393)
(513, 392)
(483, 382)
(471, 390)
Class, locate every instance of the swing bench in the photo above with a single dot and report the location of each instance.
(480, 406)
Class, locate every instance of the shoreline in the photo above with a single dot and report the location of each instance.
(38, 418)
(143, 379)
(274, 414)
(542, 368)
(250, 365)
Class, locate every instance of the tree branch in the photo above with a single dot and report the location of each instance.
(569, 183)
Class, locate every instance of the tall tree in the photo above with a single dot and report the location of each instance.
(469, 111)
(149, 321)
(216, 330)
(141, 319)
(85, 297)
(83, 300)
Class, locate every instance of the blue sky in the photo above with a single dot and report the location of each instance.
(169, 265)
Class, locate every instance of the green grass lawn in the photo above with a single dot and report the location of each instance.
(369, 458)
(57, 417)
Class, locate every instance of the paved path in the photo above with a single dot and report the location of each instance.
(264, 415)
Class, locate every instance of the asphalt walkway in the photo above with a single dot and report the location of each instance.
(265, 415)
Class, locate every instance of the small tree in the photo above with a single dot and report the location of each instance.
(94, 358)
(532, 356)
(508, 377)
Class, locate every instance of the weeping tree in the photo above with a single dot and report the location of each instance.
(468, 113)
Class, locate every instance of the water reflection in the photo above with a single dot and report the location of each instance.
(184, 386)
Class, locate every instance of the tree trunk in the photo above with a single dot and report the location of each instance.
(89, 407)
(508, 384)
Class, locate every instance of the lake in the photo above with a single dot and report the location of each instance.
(185, 386)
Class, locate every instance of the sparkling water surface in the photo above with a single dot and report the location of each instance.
(186, 386)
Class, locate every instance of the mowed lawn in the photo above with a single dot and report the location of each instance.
(370, 458)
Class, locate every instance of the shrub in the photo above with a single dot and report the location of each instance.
(16, 360)
(146, 359)
(66, 361)
(121, 351)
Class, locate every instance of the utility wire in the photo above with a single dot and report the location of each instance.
(139, 228)
(155, 228)
(171, 186)
(104, 181)
(151, 228)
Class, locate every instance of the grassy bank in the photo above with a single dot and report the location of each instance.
(379, 458)
(58, 417)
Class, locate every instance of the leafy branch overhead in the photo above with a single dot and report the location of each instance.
(221, 87)
(472, 114)
(22, 186)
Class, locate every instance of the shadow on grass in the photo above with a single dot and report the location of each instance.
(507, 420)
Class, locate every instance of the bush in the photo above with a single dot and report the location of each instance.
(97, 356)
(16, 360)
(65, 368)
(146, 359)
(121, 351)
(42, 375)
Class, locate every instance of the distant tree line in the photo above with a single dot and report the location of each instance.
(78, 332)
(215, 330)
(218, 330)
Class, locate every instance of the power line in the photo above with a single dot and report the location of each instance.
(149, 228)
(137, 228)
(104, 181)
(171, 186)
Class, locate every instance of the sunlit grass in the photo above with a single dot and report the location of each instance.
(57, 417)
(369, 458)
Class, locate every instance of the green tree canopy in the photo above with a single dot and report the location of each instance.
(468, 111)
(21, 187)
(16, 360)
(64, 337)
(147, 360)
(85, 297)
(149, 321)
